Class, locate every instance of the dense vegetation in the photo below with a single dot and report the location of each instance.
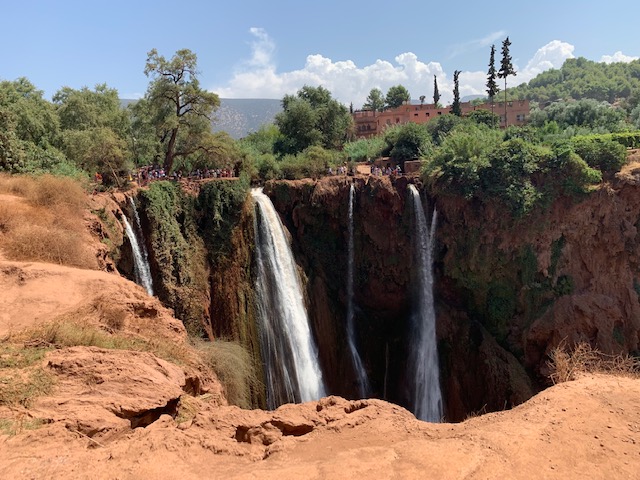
(589, 108)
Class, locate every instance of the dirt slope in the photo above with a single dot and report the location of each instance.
(589, 428)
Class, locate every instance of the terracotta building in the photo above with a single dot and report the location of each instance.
(369, 123)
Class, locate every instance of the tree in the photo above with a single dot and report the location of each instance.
(407, 141)
(422, 97)
(98, 149)
(492, 86)
(455, 106)
(375, 100)
(84, 109)
(310, 118)
(506, 69)
(396, 96)
(181, 110)
(436, 93)
(95, 129)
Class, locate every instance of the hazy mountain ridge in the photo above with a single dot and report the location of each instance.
(241, 116)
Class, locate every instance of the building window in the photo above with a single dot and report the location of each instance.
(427, 113)
(415, 114)
(439, 113)
(397, 119)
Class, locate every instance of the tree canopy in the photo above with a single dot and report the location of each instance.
(375, 100)
(312, 117)
(579, 78)
(179, 109)
(396, 96)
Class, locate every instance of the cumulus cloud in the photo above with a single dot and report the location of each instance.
(259, 78)
(552, 55)
(617, 57)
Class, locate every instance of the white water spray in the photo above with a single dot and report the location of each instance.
(363, 381)
(423, 360)
(288, 350)
(141, 268)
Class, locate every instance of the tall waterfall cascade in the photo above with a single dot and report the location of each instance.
(426, 396)
(289, 352)
(362, 378)
(141, 268)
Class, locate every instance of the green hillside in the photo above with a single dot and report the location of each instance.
(579, 78)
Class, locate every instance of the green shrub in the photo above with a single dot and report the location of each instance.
(628, 139)
(601, 152)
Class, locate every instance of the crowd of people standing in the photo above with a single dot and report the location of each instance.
(146, 174)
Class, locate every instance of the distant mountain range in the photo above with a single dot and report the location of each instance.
(240, 116)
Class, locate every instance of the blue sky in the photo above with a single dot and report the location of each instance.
(265, 49)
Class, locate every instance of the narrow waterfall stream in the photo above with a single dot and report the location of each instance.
(363, 381)
(426, 397)
(141, 268)
(289, 352)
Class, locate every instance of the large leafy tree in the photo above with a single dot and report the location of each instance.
(396, 96)
(407, 141)
(95, 129)
(492, 86)
(35, 118)
(506, 69)
(436, 93)
(180, 110)
(312, 117)
(29, 129)
(84, 109)
(375, 100)
(455, 107)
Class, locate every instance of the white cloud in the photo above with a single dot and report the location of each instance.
(262, 49)
(617, 57)
(552, 55)
(259, 78)
(477, 44)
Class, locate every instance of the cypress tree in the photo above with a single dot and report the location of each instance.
(436, 94)
(492, 86)
(506, 69)
(455, 107)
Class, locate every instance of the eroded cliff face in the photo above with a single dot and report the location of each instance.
(507, 291)
(476, 371)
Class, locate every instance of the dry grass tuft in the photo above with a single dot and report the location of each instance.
(233, 367)
(72, 333)
(15, 426)
(21, 388)
(48, 244)
(567, 365)
(48, 226)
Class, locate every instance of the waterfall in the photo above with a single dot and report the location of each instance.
(423, 358)
(363, 381)
(289, 353)
(141, 268)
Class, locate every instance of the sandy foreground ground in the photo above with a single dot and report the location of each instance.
(588, 428)
(111, 415)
